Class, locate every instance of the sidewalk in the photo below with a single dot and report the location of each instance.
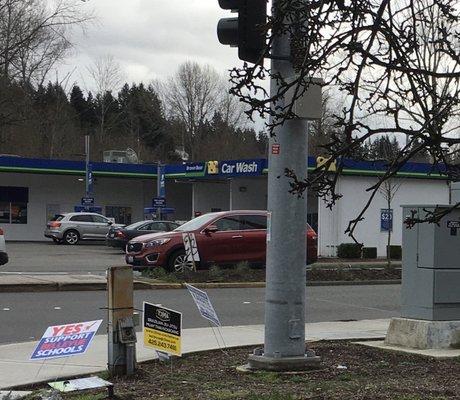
(17, 370)
(26, 282)
(49, 282)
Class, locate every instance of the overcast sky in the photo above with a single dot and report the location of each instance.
(150, 38)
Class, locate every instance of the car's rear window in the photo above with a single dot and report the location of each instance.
(135, 225)
(82, 218)
(57, 217)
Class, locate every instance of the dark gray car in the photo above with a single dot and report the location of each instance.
(119, 237)
(70, 228)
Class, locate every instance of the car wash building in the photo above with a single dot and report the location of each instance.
(34, 190)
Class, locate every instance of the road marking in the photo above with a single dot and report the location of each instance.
(246, 302)
(6, 309)
(57, 308)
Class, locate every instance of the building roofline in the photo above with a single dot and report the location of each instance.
(182, 171)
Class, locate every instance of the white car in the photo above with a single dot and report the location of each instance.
(3, 254)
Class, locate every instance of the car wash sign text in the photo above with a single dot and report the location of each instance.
(65, 340)
(235, 167)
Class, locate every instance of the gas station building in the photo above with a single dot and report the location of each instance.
(34, 190)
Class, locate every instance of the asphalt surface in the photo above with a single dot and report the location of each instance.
(25, 316)
(43, 257)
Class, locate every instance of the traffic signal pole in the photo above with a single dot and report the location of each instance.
(285, 294)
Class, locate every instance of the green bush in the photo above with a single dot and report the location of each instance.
(349, 250)
(155, 273)
(243, 267)
(216, 273)
(395, 252)
(369, 252)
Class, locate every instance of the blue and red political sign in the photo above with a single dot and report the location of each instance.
(65, 340)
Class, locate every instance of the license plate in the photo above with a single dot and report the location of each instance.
(130, 259)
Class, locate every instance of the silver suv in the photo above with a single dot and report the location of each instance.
(70, 228)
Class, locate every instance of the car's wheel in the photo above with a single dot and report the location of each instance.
(71, 237)
(178, 262)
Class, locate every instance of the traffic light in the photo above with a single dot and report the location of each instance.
(247, 31)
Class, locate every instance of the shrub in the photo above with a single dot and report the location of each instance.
(395, 252)
(349, 250)
(243, 267)
(369, 252)
(216, 273)
(155, 273)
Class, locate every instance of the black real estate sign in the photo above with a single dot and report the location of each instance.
(162, 329)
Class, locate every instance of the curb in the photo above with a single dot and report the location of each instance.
(64, 287)
(231, 285)
(140, 285)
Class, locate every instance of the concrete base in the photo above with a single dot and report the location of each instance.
(258, 361)
(421, 334)
(442, 354)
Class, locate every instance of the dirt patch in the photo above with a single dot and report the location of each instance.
(258, 275)
(348, 371)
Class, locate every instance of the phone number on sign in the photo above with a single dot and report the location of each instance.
(158, 343)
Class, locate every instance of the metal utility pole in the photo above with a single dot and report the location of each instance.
(160, 186)
(86, 165)
(285, 294)
(88, 178)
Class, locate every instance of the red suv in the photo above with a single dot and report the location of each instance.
(222, 238)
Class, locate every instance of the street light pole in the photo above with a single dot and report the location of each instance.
(285, 294)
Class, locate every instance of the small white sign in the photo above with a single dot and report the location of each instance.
(204, 304)
(191, 248)
(93, 382)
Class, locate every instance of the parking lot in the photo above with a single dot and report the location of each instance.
(46, 257)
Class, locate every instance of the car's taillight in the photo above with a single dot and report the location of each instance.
(1, 231)
(120, 234)
(54, 224)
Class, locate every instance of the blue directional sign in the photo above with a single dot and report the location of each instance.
(82, 208)
(159, 202)
(87, 201)
(154, 210)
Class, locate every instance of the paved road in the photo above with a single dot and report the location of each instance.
(92, 257)
(24, 316)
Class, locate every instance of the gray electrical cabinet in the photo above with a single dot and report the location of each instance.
(431, 266)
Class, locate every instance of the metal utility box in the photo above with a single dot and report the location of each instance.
(431, 266)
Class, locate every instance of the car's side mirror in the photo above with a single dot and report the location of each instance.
(211, 229)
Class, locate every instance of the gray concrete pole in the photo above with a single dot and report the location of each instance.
(285, 293)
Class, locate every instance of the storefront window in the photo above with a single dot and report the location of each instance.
(4, 212)
(18, 213)
(122, 215)
(13, 204)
